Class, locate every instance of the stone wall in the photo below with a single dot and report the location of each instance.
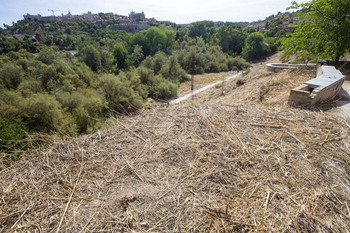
(325, 86)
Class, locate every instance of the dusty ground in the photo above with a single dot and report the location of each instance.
(239, 162)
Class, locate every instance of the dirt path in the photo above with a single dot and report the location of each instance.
(211, 85)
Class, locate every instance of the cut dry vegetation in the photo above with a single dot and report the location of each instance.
(199, 169)
(235, 163)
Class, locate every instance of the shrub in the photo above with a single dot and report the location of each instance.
(239, 81)
(263, 91)
(86, 107)
(172, 70)
(11, 132)
(118, 92)
(44, 113)
(11, 76)
(11, 103)
(238, 63)
(165, 90)
(47, 55)
(85, 76)
(28, 87)
(92, 58)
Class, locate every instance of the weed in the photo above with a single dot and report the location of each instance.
(218, 85)
(263, 91)
(239, 82)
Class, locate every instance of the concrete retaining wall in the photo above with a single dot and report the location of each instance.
(325, 86)
(275, 67)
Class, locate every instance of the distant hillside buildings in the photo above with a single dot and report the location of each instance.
(280, 21)
(137, 16)
(135, 21)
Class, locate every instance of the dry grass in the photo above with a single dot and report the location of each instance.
(230, 164)
(206, 168)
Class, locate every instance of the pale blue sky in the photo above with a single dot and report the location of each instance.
(178, 11)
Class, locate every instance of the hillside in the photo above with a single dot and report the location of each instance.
(227, 163)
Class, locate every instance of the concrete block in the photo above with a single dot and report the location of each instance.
(324, 87)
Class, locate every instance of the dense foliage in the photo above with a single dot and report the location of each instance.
(324, 30)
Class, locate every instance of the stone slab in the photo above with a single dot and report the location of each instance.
(330, 76)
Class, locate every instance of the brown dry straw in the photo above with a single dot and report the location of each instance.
(184, 168)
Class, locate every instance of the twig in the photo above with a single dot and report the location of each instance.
(70, 198)
(20, 217)
(269, 126)
(267, 199)
(254, 190)
(332, 139)
(99, 135)
(325, 139)
(135, 134)
(245, 148)
(346, 123)
(295, 138)
(246, 224)
(87, 224)
(177, 184)
(133, 171)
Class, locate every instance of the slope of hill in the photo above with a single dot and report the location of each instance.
(226, 163)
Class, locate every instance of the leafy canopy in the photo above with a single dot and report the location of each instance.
(254, 48)
(324, 30)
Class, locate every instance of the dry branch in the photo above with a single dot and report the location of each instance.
(198, 169)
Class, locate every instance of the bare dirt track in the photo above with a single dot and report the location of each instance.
(217, 165)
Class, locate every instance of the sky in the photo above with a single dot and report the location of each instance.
(178, 11)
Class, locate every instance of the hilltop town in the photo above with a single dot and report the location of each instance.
(133, 22)
(279, 21)
(137, 21)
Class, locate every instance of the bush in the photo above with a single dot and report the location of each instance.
(119, 93)
(11, 132)
(47, 55)
(93, 106)
(92, 58)
(11, 76)
(28, 87)
(239, 81)
(44, 113)
(86, 107)
(238, 63)
(11, 103)
(263, 91)
(173, 71)
(165, 90)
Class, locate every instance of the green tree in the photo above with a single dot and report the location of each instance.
(204, 29)
(121, 56)
(47, 55)
(231, 39)
(91, 57)
(154, 40)
(323, 31)
(254, 47)
(137, 56)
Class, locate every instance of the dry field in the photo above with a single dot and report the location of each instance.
(232, 163)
